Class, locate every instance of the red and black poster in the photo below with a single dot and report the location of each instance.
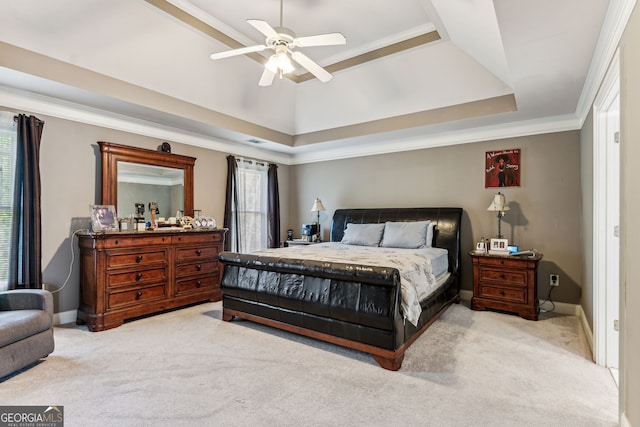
(502, 168)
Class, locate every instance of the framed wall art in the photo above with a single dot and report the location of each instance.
(502, 168)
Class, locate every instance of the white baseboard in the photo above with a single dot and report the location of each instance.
(559, 307)
(65, 317)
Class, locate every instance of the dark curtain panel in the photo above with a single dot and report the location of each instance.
(25, 260)
(231, 204)
(273, 207)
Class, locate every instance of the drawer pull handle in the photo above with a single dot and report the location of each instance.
(138, 295)
(139, 258)
(198, 252)
(138, 276)
(198, 284)
(199, 267)
(502, 276)
(502, 292)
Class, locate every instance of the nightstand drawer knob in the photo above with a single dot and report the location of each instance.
(138, 276)
(139, 258)
(502, 292)
(502, 276)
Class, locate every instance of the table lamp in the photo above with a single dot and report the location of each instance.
(317, 207)
(499, 205)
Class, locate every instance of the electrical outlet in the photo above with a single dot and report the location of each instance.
(554, 280)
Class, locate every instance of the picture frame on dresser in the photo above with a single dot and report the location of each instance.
(104, 218)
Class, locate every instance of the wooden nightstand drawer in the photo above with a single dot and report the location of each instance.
(500, 261)
(504, 294)
(512, 277)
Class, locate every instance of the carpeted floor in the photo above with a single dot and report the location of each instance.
(188, 368)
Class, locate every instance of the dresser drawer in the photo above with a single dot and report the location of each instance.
(132, 240)
(503, 293)
(196, 267)
(130, 259)
(136, 296)
(209, 281)
(187, 238)
(136, 277)
(197, 252)
(511, 277)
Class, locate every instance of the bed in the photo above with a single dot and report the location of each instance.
(360, 303)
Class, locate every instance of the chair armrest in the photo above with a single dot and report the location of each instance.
(26, 299)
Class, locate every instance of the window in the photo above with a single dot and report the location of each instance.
(7, 161)
(252, 205)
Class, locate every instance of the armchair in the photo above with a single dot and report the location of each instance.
(26, 328)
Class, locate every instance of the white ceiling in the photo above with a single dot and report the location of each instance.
(499, 68)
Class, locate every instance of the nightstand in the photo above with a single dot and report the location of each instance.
(506, 283)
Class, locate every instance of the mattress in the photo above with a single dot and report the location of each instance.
(419, 269)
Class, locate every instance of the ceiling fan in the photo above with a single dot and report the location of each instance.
(283, 41)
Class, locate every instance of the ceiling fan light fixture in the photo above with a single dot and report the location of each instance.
(279, 63)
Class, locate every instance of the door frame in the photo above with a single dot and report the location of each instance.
(609, 91)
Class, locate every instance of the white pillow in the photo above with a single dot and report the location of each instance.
(408, 235)
(363, 234)
(430, 230)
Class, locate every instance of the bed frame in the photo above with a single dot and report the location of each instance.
(354, 306)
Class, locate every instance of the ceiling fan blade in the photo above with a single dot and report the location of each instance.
(264, 28)
(331, 39)
(302, 59)
(241, 51)
(267, 78)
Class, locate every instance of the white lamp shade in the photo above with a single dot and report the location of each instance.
(317, 206)
(498, 203)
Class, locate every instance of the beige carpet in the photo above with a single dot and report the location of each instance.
(188, 368)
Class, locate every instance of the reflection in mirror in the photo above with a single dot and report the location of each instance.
(140, 183)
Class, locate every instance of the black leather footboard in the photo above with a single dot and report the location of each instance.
(352, 302)
(356, 303)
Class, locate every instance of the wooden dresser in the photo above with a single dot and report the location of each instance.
(124, 275)
(507, 283)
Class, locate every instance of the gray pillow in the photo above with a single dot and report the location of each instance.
(430, 229)
(363, 234)
(407, 235)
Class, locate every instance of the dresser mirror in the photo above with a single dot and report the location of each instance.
(136, 176)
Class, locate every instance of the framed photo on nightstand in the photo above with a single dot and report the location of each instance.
(499, 245)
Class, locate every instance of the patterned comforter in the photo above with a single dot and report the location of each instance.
(419, 268)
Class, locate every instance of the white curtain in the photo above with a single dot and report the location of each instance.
(252, 205)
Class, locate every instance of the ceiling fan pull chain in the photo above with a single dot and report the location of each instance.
(281, 1)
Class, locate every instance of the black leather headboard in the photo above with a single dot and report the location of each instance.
(447, 220)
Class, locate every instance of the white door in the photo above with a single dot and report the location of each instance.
(606, 215)
(612, 288)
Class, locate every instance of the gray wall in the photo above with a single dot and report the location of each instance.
(546, 209)
(70, 175)
(586, 184)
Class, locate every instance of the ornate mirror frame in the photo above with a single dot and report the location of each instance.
(114, 153)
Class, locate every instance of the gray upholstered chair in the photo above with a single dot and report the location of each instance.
(26, 328)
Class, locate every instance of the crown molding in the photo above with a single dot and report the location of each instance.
(486, 133)
(39, 104)
(613, 27)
